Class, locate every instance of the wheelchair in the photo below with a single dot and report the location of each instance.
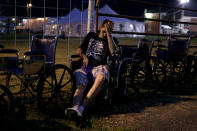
(36, 77)
(174, 60)
(136, 71)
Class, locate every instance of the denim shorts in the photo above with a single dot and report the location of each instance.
(82, 76)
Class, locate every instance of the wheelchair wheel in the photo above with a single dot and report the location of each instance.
(12, 82)
(175, 71)
(158, 74)
(180, 70)
(190, 72)
(125, 79)
(142, 75)
(55, 89)
(6, 102)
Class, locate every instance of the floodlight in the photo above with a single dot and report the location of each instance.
(183, 1)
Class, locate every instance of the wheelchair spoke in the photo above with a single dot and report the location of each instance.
(67, 83)
(50, 83)
(62, 76)
(55, 78)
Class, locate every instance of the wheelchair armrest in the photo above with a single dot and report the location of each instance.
(75, 62)
(29, 53)
(9, 51)
(34, 56)
(74, 56)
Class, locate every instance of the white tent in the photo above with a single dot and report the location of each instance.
(75, 23)
(122, 24)
(71, 24)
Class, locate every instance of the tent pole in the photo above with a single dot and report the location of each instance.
(90, 27)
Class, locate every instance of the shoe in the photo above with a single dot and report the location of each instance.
(74, 112)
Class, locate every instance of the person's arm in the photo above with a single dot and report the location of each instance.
(82, 49)
(111, 43)
(83, 56)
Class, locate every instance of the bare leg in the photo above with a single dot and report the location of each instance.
(94, 89)
(78, 95)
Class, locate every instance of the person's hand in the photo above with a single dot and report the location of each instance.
(109, 27)
(85, 61)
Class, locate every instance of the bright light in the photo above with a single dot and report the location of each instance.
(13, 19)
(148, 15)
(40, 19)
(53, 26)
(29, 5)
(131, 26)
(24, 21)
(183, 1)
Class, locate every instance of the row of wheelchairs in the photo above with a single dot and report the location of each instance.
(36, 77)
(170, 66)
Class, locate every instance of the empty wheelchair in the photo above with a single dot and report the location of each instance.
(174, 59)
(26, 78)
(136, 71)
(55, 80)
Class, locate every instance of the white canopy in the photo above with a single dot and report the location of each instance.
(76, 17)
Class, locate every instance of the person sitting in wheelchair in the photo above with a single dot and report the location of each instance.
(94, 51)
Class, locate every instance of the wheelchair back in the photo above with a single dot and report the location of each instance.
(46, 47)
(176, 49)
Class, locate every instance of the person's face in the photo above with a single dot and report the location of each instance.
(103, 32)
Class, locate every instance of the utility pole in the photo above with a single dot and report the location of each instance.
(90, 27)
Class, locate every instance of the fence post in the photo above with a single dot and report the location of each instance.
(90, 26)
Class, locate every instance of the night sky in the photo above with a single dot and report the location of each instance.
(125, 7)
